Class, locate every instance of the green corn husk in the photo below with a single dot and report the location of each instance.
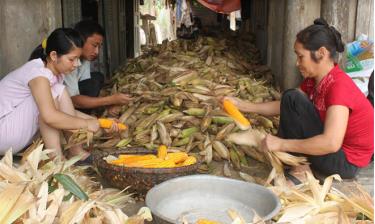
(188, 132)
(195, 112)
(124, 142)
(222, 120)
(181, 142)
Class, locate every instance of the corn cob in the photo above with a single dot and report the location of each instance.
(165, 164)
(162, 152)
(107, 123)
(221, 120)
(242, 122)
(132, 159)
(124, 142)
(199, 112)
(206, 221)
(177, 157)
(181, 142)
(189, 161)
(188, 132)
(145, 163)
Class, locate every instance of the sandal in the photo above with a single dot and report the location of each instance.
(292, 178)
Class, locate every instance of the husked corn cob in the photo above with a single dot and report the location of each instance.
(107, 123)
(132, 159)
(165, 164)
(153, 163)
(242, 122)
(189, 161)
(206, 221)
(162, 152)
(148, 163)
(177, 157)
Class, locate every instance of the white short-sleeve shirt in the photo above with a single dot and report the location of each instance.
(81, 73)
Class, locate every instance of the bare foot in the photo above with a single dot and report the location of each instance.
(78, 150)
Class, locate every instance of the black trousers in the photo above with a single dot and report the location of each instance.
(299, 119)
(91, 87)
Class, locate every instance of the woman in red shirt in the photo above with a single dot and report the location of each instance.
(328, 119)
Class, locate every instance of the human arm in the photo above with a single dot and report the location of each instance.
(88, 102)
(329, 141)
(271, 108)
(41, 91)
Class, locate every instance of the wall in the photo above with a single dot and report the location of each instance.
(23, 26)
(287, 17)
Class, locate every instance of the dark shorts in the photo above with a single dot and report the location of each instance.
(299, 119)
(91, 87)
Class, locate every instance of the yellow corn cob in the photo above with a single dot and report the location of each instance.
(206, 221)
(242, 122)
(164, 164)
(177, 157)
(117, 162)
(139, 158)
(135, 158)
(189, 161)
(107, 123)
(149, 163)
(162, 152)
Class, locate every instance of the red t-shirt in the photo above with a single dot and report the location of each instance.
(337, 88)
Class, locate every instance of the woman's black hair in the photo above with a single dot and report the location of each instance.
(318, 35)
(87, 28)
(61, 40)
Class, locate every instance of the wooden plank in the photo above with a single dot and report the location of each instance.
(335, 12)
(365, 18)
(275, 37)
(122, 31)
(298, 15)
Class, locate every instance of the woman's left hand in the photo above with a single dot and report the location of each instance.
(272, 143)
(114, 128)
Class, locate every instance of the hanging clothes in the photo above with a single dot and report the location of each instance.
(183, 13)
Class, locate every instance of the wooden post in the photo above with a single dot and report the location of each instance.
(298, 15)
(365, 18)
(340, 14)
(275, 37)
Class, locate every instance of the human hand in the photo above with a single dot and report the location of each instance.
(272, 143)
(120, 98)
(114, 110)
(240, 104)
(251, 137)
(92, 125)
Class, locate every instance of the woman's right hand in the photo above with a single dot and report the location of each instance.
(92, 125)
(120, 98)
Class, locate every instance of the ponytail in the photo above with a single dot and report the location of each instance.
(38, 52)
(61, 40)
(318, 35)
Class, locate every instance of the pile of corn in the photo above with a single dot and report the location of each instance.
(41, 190)
(163, 159)
(177, 88)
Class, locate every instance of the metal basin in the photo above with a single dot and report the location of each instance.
(190, 198)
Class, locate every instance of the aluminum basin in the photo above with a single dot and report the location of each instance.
(193, 197)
